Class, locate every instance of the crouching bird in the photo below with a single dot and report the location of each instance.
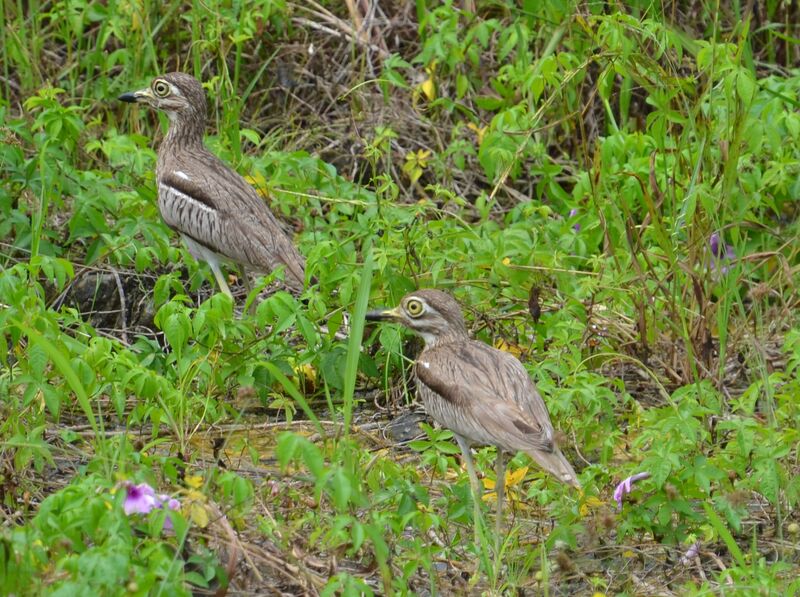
(482, 394)
(220, 217)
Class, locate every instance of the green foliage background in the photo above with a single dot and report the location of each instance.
(631, 171)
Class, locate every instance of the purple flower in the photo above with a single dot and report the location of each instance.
(626, 486)
(691, 553)
(720, 252)
(572, 213)
(141, 499)
(171, 502)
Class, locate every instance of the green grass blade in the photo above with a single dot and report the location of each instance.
(62, 363)
(354, 342)
(726, 536)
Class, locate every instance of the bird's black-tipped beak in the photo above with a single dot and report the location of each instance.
(129, 97)
(383, 315)
(133, 97)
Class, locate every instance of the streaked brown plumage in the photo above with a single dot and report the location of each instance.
(482, 394)
(219, 215)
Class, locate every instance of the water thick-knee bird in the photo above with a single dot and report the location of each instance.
(482, 394)
(220, 217)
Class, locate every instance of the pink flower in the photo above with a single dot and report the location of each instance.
(626, 486)
(142, 499)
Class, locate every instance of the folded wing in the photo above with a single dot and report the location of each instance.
(486, 396)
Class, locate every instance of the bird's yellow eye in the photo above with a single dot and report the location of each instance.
(161, 88)
(414, 308)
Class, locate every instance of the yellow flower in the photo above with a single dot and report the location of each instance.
(591, 503)
(198, 514)
(479, 131)
(428, 88)
(513, 478)
(193, 481)
(258, 181)
(508, 347)
(307, 371)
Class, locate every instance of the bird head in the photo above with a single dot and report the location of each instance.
(178, 95)
(432, 314)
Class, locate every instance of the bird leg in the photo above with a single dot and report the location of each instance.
(249, 288)
(476, 490)
(220, 278)
(499, 487)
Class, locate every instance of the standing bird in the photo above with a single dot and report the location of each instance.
(483, 395)
(218, 214)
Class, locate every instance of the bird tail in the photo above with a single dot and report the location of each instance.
(557, 465)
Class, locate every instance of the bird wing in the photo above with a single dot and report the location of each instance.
(489, 396)
(227, 215)
(486, 396)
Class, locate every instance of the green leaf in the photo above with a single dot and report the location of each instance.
(342, 489)
(354, 341)
(57, 354)
(745, 86)
(767, 479)
(176, 329)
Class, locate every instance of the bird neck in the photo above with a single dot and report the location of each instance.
(452, 337)
(186, 130)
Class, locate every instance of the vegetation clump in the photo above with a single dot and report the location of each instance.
(610, 191)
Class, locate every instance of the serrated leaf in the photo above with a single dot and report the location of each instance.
(52, 399)
(745, 86)
(37, 359)
(176, 329)
(448, 448)
(660, 469)
(508, 44)
(768, 479)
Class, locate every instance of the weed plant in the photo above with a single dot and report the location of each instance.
(610, 190)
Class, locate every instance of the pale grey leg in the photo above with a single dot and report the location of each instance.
(499, 487)
(202, 253)
(220, 277)
(476, 489)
